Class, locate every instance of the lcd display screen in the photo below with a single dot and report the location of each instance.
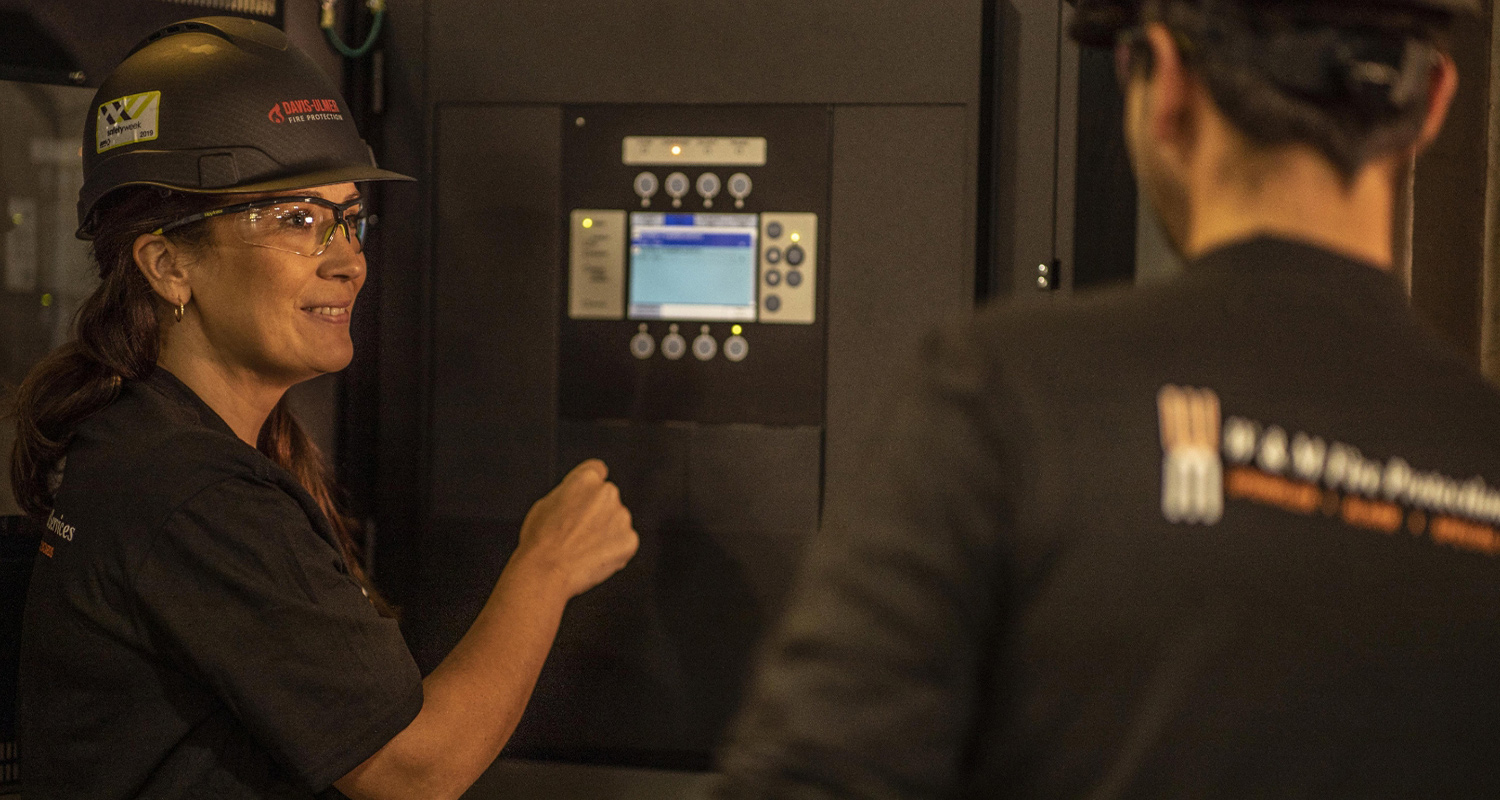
(693, 266)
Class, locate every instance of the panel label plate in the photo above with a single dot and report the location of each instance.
(703, 151)
(596, 257)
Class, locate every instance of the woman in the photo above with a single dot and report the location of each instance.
(197, 624)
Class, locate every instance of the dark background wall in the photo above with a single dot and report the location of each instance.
(962, 132)
(1449, 224)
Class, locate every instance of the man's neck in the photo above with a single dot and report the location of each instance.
(1299, 195)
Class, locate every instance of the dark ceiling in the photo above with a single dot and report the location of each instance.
(78, 42)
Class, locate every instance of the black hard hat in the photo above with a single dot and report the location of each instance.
(1096, 22)
(219, 105)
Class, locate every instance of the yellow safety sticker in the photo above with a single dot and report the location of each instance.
(130, 119)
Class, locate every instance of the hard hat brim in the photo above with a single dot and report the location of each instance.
(301, 180)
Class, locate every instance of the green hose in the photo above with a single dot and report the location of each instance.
(377, 7)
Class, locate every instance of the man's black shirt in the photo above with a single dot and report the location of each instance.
(1233, 535)
(191, 629)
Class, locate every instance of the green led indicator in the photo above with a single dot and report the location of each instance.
(46, 300)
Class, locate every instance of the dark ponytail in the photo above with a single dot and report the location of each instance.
(117, 338)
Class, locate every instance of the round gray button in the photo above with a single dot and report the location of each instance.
(673, 346)
(773, 277)
(773, 303)
(773, 230)
(705, 347)
(646, 185)
(740, 186)
(773, 255)
(677, 184)
(642, 345)
(708, 185)
(793, 278)
(794, 255)
(736, 348)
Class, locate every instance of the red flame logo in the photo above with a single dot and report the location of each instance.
(275, 114)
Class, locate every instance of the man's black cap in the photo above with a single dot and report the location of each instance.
(1097, 22)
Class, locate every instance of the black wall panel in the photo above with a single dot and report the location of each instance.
(648, 667)
(706, 51)
(494, 338)
(900, 236)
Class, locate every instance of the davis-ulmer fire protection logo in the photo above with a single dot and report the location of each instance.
(1208, 460)
(304, 111)
(130, 119)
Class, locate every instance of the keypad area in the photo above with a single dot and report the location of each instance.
(788, 268)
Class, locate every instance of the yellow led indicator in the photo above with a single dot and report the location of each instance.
(588, 222)
(737, 330)
(796, 237)
(676, 149)
(46, 300)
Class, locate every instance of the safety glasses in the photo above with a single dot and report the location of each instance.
(301, 225)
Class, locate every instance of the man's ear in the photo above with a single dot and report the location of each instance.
(1443, 84)
(1170, 121)
(164, 264)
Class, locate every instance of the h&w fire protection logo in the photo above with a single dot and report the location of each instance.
(1192, 475)
(1208, 459)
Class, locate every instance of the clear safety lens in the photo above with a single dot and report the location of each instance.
(302, 228)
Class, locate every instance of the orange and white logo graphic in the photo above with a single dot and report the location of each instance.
(1192, 476)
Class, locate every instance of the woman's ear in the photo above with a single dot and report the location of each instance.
(164, 264)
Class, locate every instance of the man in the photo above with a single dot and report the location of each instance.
(1233, 535)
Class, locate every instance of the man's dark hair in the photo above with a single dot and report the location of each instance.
(1351, 81)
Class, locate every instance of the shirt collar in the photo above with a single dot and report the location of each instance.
(164, 382)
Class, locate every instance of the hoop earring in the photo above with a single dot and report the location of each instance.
(179, 311)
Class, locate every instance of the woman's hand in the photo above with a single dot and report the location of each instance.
(579, 532)
(574, 538)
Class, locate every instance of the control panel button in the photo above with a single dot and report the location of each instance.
(773, 230)
(793, 278)
(795, 255)
(673, 346)
(708, 186)
(739, 188)
(773, 303)
(736, 348)
(705, 347)
(642, 345)
(773, 277)
(773, 255)
(646, 186)
(677, 185)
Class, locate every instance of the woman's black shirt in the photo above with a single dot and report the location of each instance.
(191, 629)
